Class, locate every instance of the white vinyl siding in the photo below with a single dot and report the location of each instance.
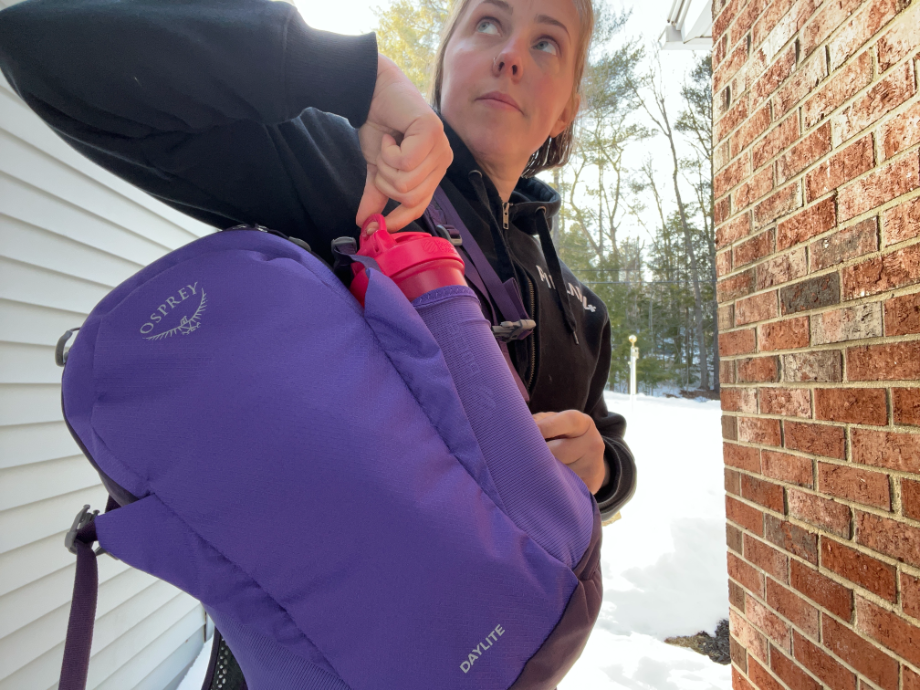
(69, 233)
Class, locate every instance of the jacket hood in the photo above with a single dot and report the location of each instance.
(528, 197)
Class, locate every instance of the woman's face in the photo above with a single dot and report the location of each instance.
(509, 72)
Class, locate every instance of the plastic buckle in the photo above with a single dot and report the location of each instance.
(60, 356)
(84, 517)
(300, 243)
(342, 247)
(346, 241)
(449, 232)
(514, 330)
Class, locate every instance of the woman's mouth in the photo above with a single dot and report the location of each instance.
(500, 100)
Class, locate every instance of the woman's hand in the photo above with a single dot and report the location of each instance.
(573, 439)
(405, 147)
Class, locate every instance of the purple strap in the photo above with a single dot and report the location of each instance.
(480, 273)
(507, 295)
(473, 275)
(79, 641)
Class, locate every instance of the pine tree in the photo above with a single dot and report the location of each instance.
(408, 32)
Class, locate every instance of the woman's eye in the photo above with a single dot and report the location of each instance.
(487, 26)
(547, 46)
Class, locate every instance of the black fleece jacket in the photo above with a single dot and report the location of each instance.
(235, 111)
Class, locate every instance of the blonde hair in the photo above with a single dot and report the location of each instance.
(555, 151)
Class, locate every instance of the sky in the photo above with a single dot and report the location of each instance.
(648, 20)
(357, 16)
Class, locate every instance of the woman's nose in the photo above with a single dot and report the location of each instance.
(510, 62)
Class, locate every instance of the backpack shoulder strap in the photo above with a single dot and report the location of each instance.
(79, 640)
(506, 296)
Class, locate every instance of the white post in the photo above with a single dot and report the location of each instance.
(633, 356)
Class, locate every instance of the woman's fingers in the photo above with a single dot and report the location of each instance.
(423, 142)
(418, 193)
(412, 188)
(407, 212)
(408, 171)
(573, 439)
(572, 450)
(565, 424)
(372, 200)
(378, 191)
(584, 455)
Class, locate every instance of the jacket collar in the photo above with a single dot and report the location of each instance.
(533, 204)
(529, 195)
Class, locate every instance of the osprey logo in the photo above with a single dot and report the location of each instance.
(479, 649)
(188, 323)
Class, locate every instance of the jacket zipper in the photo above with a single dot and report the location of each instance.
(533, 342)
(506, 213)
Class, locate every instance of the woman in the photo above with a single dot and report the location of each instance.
(226, 111)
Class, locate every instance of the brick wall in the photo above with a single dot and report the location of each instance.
(817, 204)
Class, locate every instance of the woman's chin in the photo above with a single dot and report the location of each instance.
(493, 147)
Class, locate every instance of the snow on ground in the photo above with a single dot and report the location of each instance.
(663, 562)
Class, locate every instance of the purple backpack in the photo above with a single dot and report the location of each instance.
(359, 498)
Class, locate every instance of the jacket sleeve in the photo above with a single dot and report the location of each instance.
(612, 427)
(202, 103)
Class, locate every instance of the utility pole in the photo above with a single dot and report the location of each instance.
(633, 356)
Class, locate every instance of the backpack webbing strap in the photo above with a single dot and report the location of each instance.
(507, 295)
(79, 640)
(473, 276)
(479, 271)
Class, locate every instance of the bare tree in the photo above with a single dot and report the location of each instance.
(695, 121)
(649, 94)
(605, 129)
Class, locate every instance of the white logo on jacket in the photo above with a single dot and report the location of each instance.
(571, 289)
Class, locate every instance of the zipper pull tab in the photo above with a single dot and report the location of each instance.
(505, 213)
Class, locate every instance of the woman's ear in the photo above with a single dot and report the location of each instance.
(567, 116)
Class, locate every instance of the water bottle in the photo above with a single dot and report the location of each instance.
(419, 264)
(415, 261)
